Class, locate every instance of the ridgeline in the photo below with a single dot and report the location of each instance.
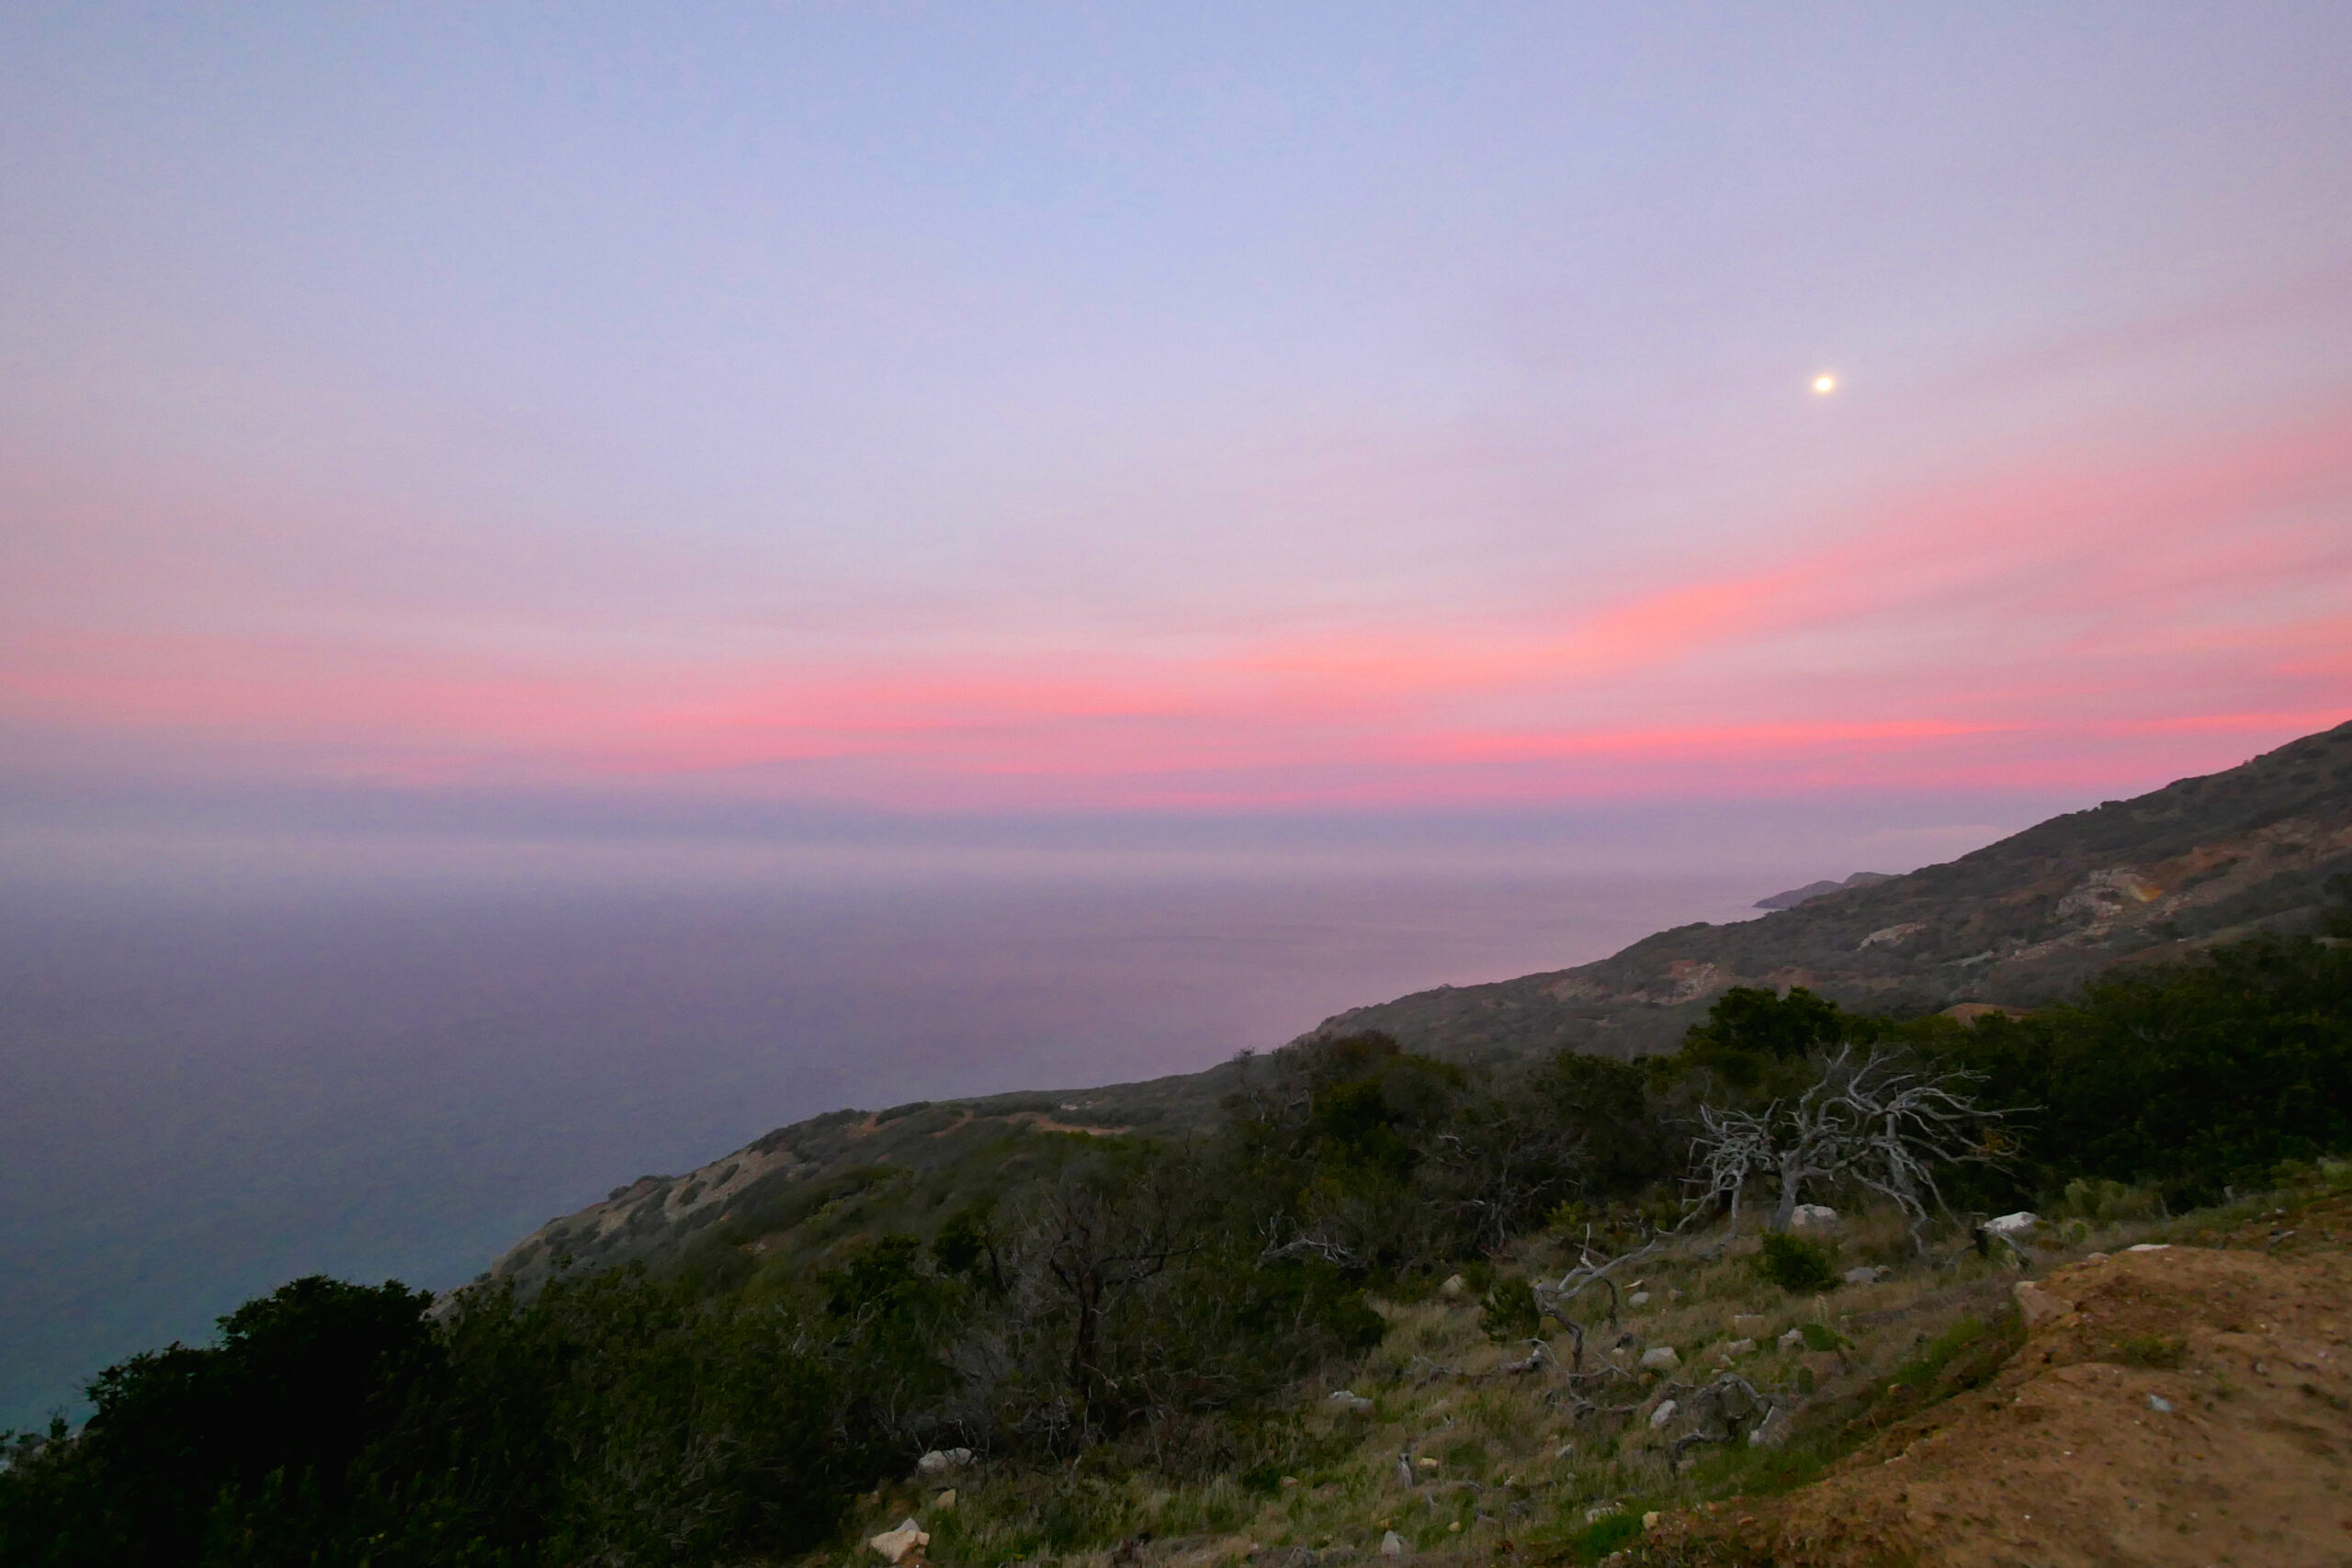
(2199, 864)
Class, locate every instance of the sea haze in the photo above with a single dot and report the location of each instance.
(210, 1091)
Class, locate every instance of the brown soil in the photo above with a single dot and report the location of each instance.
(2068, 1458)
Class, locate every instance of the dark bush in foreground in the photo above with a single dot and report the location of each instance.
(1796, 1265)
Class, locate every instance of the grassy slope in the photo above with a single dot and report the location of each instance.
(1513, 1471)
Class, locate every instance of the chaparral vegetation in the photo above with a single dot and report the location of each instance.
(1128, 1339)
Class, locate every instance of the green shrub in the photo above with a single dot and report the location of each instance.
(1509, 1311)
(2105, 1202)
(1796, 1265)
(1821, 1337)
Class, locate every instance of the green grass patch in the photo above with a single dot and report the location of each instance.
(1601, 1538)
(2152, 1350)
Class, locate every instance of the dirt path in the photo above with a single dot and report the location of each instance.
(2189, 1406)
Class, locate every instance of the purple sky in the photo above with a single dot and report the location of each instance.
(1106, 418)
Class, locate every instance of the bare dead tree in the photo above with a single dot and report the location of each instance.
(1876, 1123)
(1552, 1296)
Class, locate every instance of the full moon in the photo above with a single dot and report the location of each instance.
(1825, 384)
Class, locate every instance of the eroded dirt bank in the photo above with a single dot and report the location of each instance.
(2185, 1406)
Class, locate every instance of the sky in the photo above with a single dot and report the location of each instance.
(1035, 430)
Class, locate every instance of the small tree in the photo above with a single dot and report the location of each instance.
(1873, 1123)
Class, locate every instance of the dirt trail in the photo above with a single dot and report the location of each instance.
(2191, 1405)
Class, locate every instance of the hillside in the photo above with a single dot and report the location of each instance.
(2019, 922)
(2179, 1402)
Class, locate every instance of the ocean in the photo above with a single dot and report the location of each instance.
(208, 1089)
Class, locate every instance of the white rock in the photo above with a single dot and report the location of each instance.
(1866, 1275)
(1733, 1350)
(945, 1501)
(1649, 1520)
(895, 1544)
(1638, 1299)
(1351, 1402)
(1772, 1431)
(944, 1461)
(1392, 1545)
(1600, 1511)
(1813, 1217)
(2150, 1246)
(1792, 1340)
(2160, 1404)
(1660, 1358)
(2013, 1226)
(1454, 1285)
(1664, 1413)
(2037, 1305)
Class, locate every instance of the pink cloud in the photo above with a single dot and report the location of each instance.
(2020, 628)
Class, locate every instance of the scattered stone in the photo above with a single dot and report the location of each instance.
(1349, 1402)
(1866, 1275)
(2096, 1258)
(2009, 1227)
(1453, 1287)
(1426, 1463)
(1750, 1324)
(1649, 1520)
(1601, 1511)
(1638, 1299)
(894, 1545)
(1663, 1414)
(1732, 1350)
(2037, 1305)
(1392, 1544)
(2160, 1404)
(1813, 1217)
(1772, 1431)
(944, 1461)
(1660, 1358)
(945, 1501)
(2150, 1246)
(1792, 1340)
